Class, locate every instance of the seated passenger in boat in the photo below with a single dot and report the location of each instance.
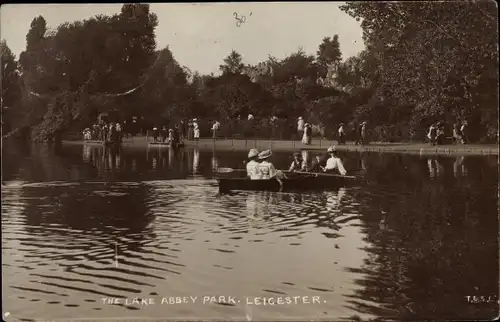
(334, 163)
(297, 164)
(318, 164)
(266, 168)
(253, 166)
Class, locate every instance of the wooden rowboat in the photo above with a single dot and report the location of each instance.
(110, 144)
(293, 182)
(93, 142)
(165, 145)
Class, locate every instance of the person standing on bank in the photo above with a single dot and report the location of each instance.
(358, 134)
(306, 138)
(300, 127)
(163, 134)
(341, 134)
(215, 128)
(431, 135)
(463, 132)
(196, 130)
(457, 137)
(334, 163)
(182, 130)
(363, 133)
(252, 165)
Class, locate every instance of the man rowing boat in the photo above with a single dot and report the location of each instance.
(298, 164)
(334, 162)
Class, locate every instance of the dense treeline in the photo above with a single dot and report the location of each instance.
(423, 62)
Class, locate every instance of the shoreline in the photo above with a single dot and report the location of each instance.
(316, 145)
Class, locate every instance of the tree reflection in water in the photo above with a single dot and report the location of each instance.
(435, 243)
(429, 223)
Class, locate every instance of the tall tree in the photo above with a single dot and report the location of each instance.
(36, 33)
(440, 57)
(233, 63)
(11, 90)
(138, 25)
(10, 76)
(329, 54)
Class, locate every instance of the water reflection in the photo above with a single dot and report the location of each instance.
(459, 168)
(196, 160)
(81, 224)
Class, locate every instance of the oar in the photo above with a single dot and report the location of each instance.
(229, 170)
(323, 174)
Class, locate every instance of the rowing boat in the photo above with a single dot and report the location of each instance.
(293, 182)
(110, 144)
(165, 145)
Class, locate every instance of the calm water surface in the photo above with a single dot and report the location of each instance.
(80, 225)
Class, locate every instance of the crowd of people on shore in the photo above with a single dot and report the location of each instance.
(190, 130)
(436, 134)
(108, 132)
(259, 167)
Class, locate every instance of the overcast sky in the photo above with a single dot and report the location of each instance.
(201, 35)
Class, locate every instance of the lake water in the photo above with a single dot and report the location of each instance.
(81, 227)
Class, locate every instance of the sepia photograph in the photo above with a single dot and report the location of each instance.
(250, 161)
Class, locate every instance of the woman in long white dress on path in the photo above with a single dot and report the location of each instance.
(305, 136)
(196, 129)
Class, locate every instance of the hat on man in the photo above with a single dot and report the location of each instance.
(253, 153)
(194, 120)
(297, 155)
(265, 154)
(331, 149)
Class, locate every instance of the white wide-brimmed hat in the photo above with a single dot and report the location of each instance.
(154, 129)
(194, 120)
(332, 149)
(300, 117)
(265, 154)
(253, 153)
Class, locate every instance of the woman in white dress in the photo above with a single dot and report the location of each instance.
(196, 129)
(307, 131)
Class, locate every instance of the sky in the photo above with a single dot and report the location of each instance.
(201, 35)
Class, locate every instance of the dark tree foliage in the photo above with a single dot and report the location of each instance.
(423, 62)
(441, 58)
(11, 87)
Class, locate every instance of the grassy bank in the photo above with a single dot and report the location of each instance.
(317, 144)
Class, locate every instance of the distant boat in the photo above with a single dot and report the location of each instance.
(108, 144)
(93, 142)
(165, 145)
